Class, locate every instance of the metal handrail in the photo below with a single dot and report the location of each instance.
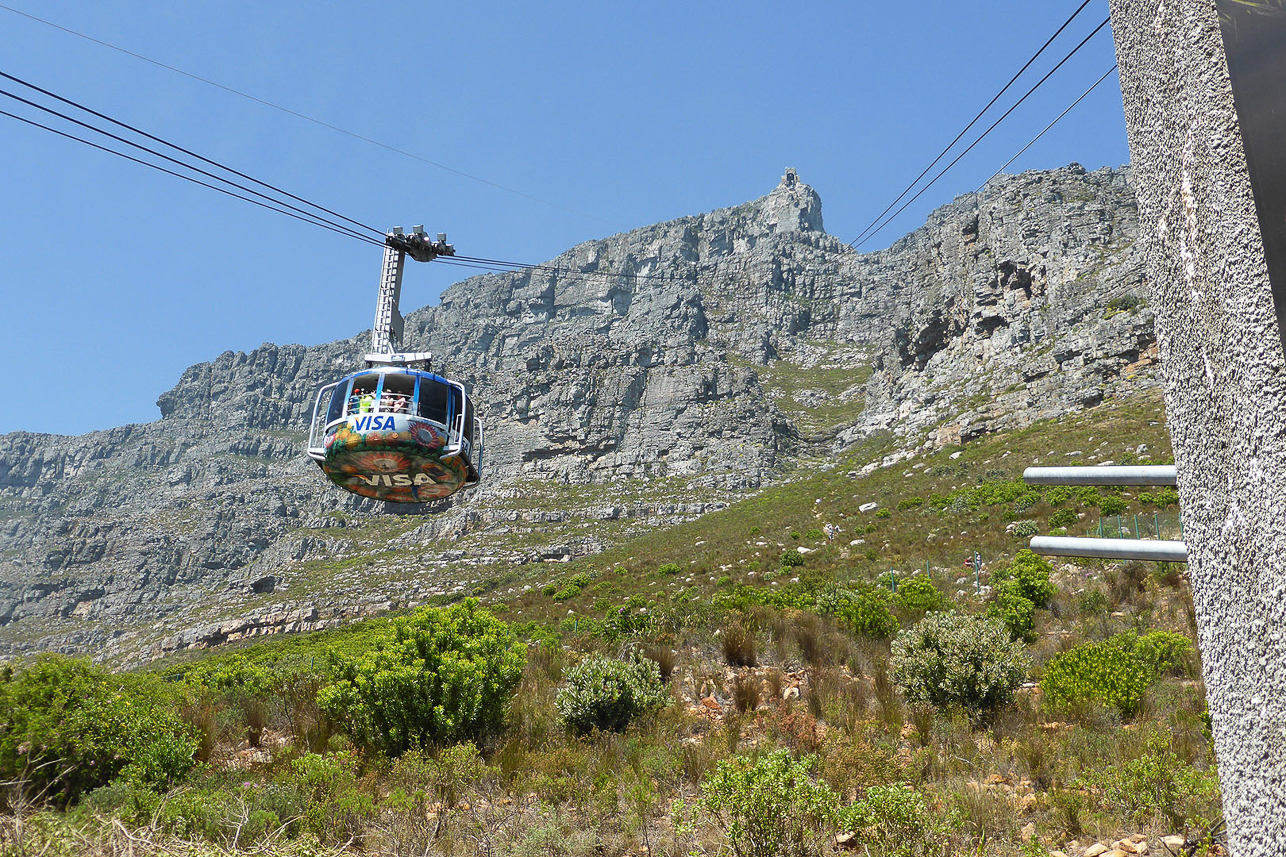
(317, 452)
(1102, 474)
(476, 458)
(458, 429)
(1151, 550)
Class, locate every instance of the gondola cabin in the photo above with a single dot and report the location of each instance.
(396, 434)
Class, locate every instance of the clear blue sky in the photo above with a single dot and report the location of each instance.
(116, 278)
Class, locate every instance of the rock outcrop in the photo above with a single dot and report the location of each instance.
(709, 351)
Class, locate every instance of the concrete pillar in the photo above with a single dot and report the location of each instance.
(1225, 387)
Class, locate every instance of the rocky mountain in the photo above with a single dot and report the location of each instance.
(632, 382)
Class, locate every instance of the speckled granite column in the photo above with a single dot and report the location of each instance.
(1225, 381)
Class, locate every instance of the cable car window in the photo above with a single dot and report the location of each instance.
(362, 399)
(468, 419)
(338, 398)
(396, 395)
(456, 406)
(434, 397)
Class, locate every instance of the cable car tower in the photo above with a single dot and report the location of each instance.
(396, 431)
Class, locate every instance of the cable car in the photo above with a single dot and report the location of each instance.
(397, 431)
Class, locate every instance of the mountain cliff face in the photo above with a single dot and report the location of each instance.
(633, 382)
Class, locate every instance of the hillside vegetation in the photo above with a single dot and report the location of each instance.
(814, 669)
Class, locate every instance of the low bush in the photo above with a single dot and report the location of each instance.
(1104, 673)
(1058, 495)
(604, 693)
(671, 568)
(440, 675)
(67, 726)
(1112, 505)
(1024, 529)
(1162, 652)
(792, 559)
(910, 503)
(1023, 502)
(1157, 785)
(918, 594)
(895, 821)
(952, 659)
(1063, 518)
(1031, 574)
(1016, 610)
(864, 610)
(769, 805)
(335, 808)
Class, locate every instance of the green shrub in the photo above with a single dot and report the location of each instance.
(636, 616)
(864, 610)
(952, 659)
(895, 821)
(671, 568)
(792, 559)
(882, 513)
(1162, 652)
(549, 589)
(814, 535)
(335, 808)
(1025, 501)
(910, 503)
(1097, 672)
(1058, 495)
(1024, 529)
(1063, 518)
(918, 594)
(438, 675)
(1158, 785)
(567, 593)
(67, 726)
(604, 693)
(1031, 573)
(1125, 302)
(769, 805)
(133, 804)
(1016, 610)
(1166, 497)
(1112, 505)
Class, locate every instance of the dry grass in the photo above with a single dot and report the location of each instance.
(739, 646)
(746, 693)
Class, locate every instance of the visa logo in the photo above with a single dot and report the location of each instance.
(374, 423)
(397, 480)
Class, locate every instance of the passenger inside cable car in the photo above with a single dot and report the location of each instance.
(397, 434)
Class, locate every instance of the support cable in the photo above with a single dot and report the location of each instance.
(1033, 140)
(188, 152)
(222, 190)
(166, 157)
(296, 113)
(972, 122)
(984, 134)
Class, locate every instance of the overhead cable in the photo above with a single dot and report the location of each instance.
(264, 200)
(983, 135)
(1033, 140)
(222, 190)
(972, 122)
(179, 148)
(557, 269)
(239, 93)
(166, 157)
